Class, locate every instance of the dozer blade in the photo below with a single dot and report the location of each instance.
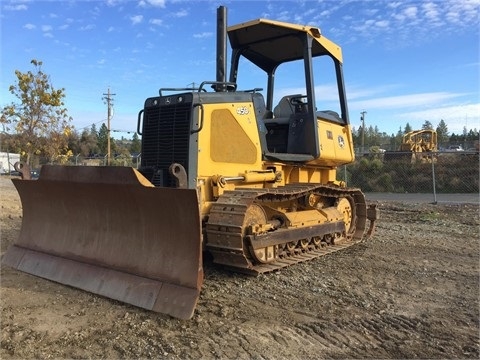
(107, 230)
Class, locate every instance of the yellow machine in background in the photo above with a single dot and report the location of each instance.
(417, 145)
(419, 141)
(225, 171)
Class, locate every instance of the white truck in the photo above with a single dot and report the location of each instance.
(6, 162)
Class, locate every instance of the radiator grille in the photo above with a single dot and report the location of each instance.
(165, 140)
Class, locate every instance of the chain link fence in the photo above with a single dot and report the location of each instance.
(388, 172)
(406, 172)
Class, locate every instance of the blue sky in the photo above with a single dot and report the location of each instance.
(404, 61)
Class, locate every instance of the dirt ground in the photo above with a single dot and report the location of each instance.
(411, 291)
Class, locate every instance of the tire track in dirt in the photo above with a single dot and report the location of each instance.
(388, 335)
(385, 335)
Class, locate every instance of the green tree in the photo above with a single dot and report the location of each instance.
(427, 125)
(88, 143)
(136, 145)
(396, 140)
(472, 135)
(442, 132)
(408, 128)
(39, 118)
(103, 139)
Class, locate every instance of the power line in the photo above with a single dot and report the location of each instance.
(124, 131)
(90, 126)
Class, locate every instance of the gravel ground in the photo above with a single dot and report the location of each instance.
(410, 291)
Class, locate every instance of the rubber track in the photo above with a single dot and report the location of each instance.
(224, 228)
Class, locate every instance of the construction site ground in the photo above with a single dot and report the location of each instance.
(410, 291)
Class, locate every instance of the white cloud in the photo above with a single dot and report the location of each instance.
(112, 3)
(203, 35)
(456, 116)
(405, 101)
(415, 22)
(382, 23)
(453, 17)
(180, 13)
(29, 26)
(467, 10)
(157, 22)
(415, 109)
(411, 12)
(394, 5)
(371, 12)
(137, 19)
(154, 3)
(15, 7)
(360, 92)
(68, 22)
(431, 11)
(47, 31)
(87, 27)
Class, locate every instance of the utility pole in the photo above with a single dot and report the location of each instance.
(362, 117)
(109, 101)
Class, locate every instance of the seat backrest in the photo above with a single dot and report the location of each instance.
(284, 109)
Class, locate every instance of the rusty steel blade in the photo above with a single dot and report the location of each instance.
(110, 232)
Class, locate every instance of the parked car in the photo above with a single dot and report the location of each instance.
(34, 174)
(453, 148)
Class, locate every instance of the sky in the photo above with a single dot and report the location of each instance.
(405, 61)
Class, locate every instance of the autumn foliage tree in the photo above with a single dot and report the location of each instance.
(38, 118)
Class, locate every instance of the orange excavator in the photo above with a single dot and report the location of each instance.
(248, 179)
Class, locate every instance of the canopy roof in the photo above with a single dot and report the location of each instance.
(268, 43)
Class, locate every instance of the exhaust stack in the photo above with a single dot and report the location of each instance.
(221, 48)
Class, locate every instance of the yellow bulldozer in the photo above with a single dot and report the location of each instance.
(222, 171)
(417, 145)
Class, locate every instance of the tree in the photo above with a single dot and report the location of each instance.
(103, 139)
(408, 128)
(442, 132)
(74, 143)
(88, 143)
(93, 131)
(396, 140)
(136, 145)
(427, 125)
(40, 119)
(472, 135)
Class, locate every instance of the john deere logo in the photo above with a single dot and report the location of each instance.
(341, 141)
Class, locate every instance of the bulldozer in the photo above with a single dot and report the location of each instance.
(416, 146)
(223, 171)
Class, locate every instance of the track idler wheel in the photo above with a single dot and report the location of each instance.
(345, 206)
(255, 217)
